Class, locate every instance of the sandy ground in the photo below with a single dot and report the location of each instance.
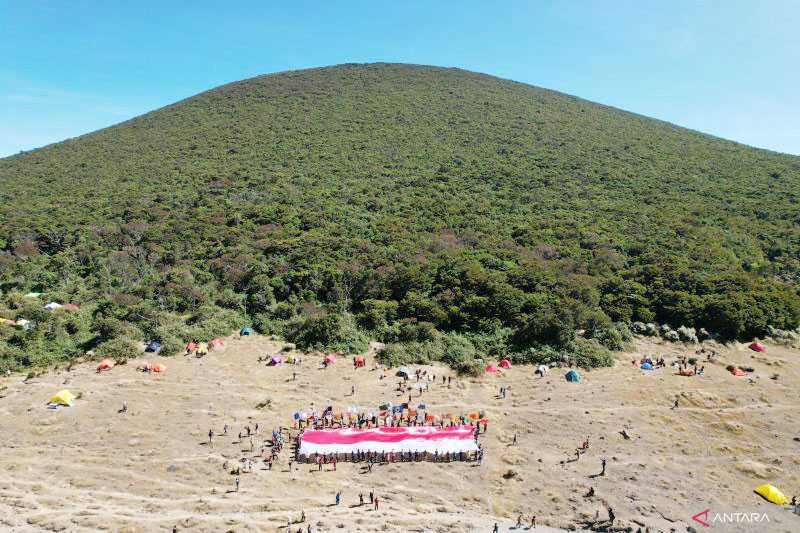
(89, 468)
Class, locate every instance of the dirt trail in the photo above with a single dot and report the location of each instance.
(89, 468)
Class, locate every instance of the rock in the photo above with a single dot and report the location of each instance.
(640, 328)
(651, 329)
(703, 334)
(172, 468)
(664, 328)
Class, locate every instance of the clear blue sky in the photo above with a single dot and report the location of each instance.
(726, 67)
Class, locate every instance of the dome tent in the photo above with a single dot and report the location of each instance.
(153, 346)
(105, 364)
(245, 331)
(403, 372)
(572, 376)
(505, 363)
(757, 347)
(329, 359)
(491, 369)
(63, 397)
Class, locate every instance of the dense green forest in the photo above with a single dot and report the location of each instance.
(453, 215)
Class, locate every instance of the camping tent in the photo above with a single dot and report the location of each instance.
(105, 364)
(71, 307)
(647, 366)
(32, 295)
(771, 494)
(757, 347)
(572, 376)
(191, 346)
(202, 347)
(158, 367)
(330, 359)
(738, 372)
(247, 330)
(63, 397)
(403, 372)
(491, 369)
(216, 343)
(276, 360)
(359, 360)
(52, 306)
(153, 346)
(505, 363)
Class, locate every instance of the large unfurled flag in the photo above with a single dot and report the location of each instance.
(431, 439)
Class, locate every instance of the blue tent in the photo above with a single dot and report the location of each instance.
(153, 346)
(647, 366)
(573, 377)
(247, 330)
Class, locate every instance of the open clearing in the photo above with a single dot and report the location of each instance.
(89, 468)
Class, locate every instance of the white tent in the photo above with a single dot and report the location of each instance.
(52, 306)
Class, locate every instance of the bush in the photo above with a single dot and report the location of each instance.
(171, 346)
(119, 349)
(327, 332)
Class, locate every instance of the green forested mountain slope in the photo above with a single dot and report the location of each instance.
(412, 204)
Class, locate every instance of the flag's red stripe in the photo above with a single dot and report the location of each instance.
(389, 434)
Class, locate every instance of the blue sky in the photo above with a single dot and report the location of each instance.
(726, 67)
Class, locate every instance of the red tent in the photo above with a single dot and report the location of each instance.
(757, 347)
(215, 343)
(191, 346)
(105, 364)
(491, 369)
(359, 360)
(505, 363)
(738, 372)
(330, 359)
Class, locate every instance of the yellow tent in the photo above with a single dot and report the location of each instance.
(771, 494)
(63, 397)
(202, 347)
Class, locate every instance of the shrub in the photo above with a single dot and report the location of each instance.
(119, 348)
(327, 331)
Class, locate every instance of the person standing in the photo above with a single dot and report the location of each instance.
(237, 483)
(210, 436)
(376, 503)
(338, 497)
(603, 467)
(611, 516)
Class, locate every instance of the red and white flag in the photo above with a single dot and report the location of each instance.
(389, 439)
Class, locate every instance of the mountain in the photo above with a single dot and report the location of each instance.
(449, 213)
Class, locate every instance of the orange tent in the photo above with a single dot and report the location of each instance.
(491, 369)
(474, 416)
(105, 364)
(158, 367)
(330, 359)
(215, 343)
(505, 363)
